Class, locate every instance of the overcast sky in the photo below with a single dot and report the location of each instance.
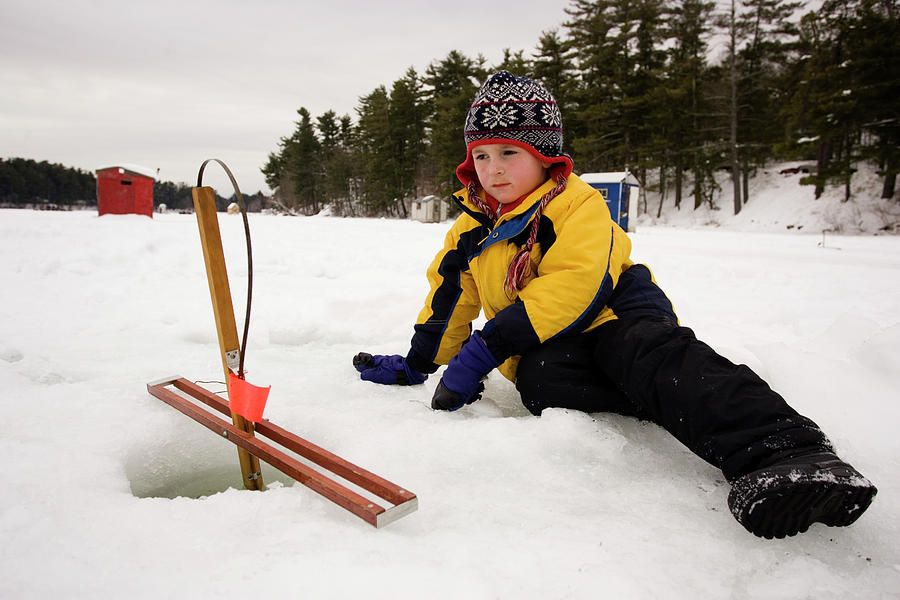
(166, 84)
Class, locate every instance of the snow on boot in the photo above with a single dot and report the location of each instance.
(784, 499)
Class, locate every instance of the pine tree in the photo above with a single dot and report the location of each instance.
(619, 54)
(374, 146)
(273, 167)
(766, 36)
(591, 29)
(642, 111)
(688, 24)
(874, 56)
(451, 84)
(730, 23)
(294, 171)
(514, 62)
(406, 118)
(336, 164)
(823, 104)
(554, 66)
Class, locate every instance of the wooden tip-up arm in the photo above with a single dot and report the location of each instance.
(226, 328)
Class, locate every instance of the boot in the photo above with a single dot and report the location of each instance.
(785, 498)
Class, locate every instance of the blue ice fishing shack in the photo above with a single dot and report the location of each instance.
(621, 190)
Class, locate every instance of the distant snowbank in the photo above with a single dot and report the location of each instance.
(778, 203)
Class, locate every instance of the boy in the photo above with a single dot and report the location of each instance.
(576, 324)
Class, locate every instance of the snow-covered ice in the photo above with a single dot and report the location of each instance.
(111, 493)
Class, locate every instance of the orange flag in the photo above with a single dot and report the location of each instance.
(246, 399)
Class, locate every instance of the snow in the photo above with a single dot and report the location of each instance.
(611, 177)
(139, 169)
(112, 493)
(779, 203)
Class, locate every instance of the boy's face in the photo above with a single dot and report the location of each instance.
(508, 172)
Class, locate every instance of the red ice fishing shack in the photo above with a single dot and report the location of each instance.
(125, 189)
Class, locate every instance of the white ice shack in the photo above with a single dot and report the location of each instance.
(620, 189)
(429, 209)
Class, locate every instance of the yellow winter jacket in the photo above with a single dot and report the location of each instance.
(576, 280)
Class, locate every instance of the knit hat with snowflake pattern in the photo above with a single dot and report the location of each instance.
(514, 110)
(518, 111)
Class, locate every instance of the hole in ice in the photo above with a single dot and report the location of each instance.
(191, 468)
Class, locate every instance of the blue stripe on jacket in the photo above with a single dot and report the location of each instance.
(599, 301)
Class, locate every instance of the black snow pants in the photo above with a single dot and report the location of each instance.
(653, 369)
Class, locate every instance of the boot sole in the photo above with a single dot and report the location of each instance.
(781, 502)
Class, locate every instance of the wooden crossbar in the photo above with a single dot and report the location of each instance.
(404, 502)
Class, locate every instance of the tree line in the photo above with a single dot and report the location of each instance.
(28, 182)
(24, 181)
(677, 89)
(177, 196)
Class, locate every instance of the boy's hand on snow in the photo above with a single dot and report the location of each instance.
(461, 383)
(444, 399)
(387, 369)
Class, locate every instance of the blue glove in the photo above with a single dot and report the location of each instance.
(461, 383)
(386, 369)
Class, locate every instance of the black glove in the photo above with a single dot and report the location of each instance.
(462, 382)
(444, 399)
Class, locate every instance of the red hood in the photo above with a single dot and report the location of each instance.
(465, 172)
